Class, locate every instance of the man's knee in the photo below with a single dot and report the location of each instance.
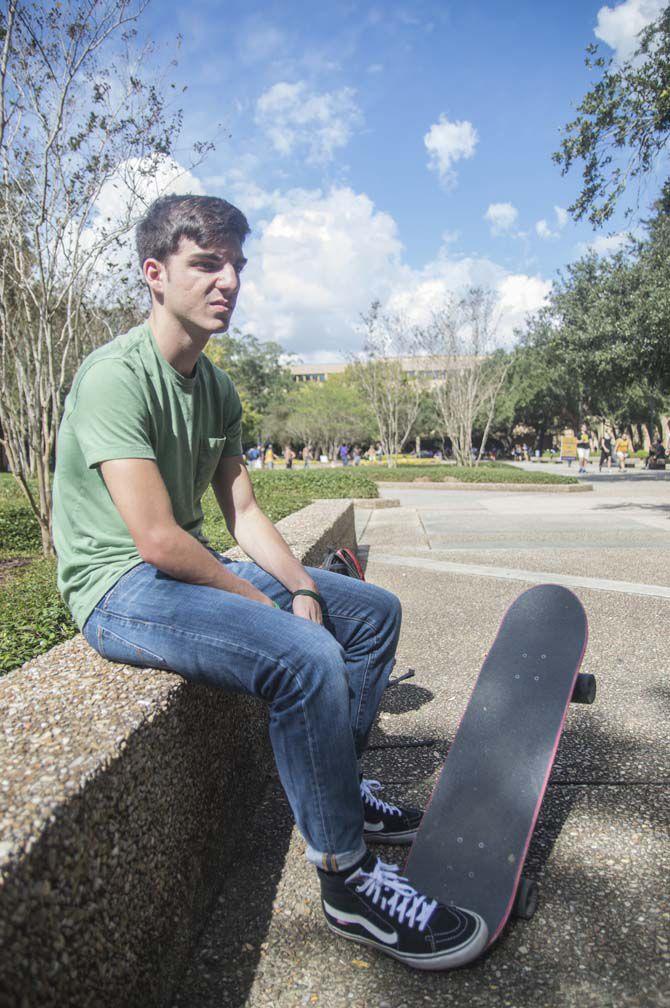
(388, 606)
(315, 665)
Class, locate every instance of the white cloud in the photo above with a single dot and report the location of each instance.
(520, 295)
(619, 26)
(321, 258)
(297, 120)
(604, 244)
(544, 231)
(562, 217)
(501, 217)
(448, 142)
(315, 266)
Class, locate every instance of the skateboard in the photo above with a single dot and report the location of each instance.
(474, 837)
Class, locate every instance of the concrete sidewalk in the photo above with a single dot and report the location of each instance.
(601, 851)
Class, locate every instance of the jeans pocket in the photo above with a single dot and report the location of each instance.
(113, 647)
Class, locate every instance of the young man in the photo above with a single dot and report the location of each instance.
(149, 423)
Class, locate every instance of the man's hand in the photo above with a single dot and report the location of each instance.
(308, 608)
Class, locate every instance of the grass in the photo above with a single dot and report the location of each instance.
(485, 472)
(33, 616)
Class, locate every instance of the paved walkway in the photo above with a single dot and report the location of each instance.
(601, 851)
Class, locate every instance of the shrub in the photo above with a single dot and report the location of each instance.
(19, 530)
(33, 616)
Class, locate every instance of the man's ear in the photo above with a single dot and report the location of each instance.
(154, 276)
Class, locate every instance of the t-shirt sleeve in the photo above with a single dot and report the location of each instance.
(233, 428)
(109, 416)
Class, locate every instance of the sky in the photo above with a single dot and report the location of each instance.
(391, 151)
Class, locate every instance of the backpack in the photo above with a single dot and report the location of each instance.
(343, 561)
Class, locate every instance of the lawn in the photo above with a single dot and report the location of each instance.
(485, 472)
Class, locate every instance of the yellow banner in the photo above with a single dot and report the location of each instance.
(568, 447)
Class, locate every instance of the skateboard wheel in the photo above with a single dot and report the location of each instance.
(585, 688)
(526, 900)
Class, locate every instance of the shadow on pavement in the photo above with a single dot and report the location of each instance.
(231, 944)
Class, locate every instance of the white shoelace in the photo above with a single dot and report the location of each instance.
(404, 900)
(367, 787)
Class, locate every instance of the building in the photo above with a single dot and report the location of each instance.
(411, 365)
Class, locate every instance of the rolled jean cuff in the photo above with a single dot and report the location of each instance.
(335, 862)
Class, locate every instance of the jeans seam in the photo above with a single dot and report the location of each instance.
(308, 730)
(364, 678)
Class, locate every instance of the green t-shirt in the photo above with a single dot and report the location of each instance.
(127, 402)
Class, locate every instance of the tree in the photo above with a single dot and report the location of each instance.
(393, 394)
(76, 118)
(461, 339)
(539, 389)
(259, 376)
(323, 414)
(622, 125)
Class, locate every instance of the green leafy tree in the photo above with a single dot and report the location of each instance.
(259, 376)
(323, 414)
(622, 125)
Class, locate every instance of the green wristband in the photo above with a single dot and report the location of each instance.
(311, 594)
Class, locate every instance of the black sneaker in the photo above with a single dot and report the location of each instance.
(377, 906)
(386, 823)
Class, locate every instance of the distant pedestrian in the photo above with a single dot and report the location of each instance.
(306, 456)
(606, 445)
(583, 448)
(289, 455)
(371, 454)
(357, 455)
(269, 456)
(623, 448)
(344, 454)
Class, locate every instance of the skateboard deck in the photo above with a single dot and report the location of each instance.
(472, 843)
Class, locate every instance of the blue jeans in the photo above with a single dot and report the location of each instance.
(323, 684)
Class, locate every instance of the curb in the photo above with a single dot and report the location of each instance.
(501, 487)
(375, 503)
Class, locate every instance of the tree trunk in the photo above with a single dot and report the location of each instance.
(665, 427)
(541, 431)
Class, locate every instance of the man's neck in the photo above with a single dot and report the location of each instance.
(179, 347)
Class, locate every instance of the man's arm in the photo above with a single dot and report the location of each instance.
(256, 534)
(141, 498)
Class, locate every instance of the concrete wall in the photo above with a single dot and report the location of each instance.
(123, 796)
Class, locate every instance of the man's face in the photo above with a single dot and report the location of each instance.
(199, 286)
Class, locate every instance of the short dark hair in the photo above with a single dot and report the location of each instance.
(206, 220)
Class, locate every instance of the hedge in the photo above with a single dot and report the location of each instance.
(485, 472)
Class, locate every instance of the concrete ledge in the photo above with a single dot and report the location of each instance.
(375, 503)
(125, 793)
(501, 487)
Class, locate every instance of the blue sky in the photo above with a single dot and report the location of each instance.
(388, 150)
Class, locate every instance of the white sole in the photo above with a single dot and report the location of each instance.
(390, 838)
(434, 962)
